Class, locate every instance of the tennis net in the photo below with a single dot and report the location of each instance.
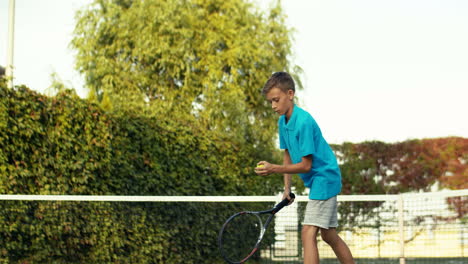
(407, 228)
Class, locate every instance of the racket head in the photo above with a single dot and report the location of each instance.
(239, 237)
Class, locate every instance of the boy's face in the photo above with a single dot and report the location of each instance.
(281, 102)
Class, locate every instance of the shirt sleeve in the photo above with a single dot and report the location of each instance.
(306, 139)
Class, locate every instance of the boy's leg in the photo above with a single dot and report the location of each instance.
(338, 245)
(309, 242)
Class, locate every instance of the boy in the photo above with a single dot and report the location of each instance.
(308, 154)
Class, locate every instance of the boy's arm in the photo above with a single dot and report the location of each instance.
(287, 168)
(287, 176)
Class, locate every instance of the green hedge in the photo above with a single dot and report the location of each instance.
(52, 145)
(66, 145)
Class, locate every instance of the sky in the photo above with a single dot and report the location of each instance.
(372, 69)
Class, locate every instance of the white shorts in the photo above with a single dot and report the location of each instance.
(321, 213)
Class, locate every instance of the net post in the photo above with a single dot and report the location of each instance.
(401, 228)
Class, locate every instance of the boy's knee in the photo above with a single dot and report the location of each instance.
(309, 232)
(329, 236)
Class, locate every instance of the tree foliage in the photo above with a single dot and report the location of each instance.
(413, 165)
(52, 146)
(191, 59)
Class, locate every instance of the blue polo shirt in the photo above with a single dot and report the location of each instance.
(301, 136)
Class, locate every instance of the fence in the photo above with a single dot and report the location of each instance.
(406, 228)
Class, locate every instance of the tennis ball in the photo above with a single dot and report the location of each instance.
(260, 166)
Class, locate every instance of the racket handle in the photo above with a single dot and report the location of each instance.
(283, 203)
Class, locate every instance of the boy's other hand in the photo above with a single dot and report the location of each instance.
(264, 168)
(286, 195)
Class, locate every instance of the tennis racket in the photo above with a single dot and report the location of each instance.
(242, 233)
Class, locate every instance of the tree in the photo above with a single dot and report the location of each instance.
(190, 59)
(449, 159)
(412, 165)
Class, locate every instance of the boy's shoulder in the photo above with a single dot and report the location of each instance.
(303, 116)
(298, 114)
(301, 111)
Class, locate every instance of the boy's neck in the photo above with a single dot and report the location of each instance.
(289, 113)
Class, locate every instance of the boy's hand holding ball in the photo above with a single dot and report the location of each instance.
(261, 169)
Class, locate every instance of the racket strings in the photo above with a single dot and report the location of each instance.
(239, 237)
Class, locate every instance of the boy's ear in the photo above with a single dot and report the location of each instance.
(290, 94)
